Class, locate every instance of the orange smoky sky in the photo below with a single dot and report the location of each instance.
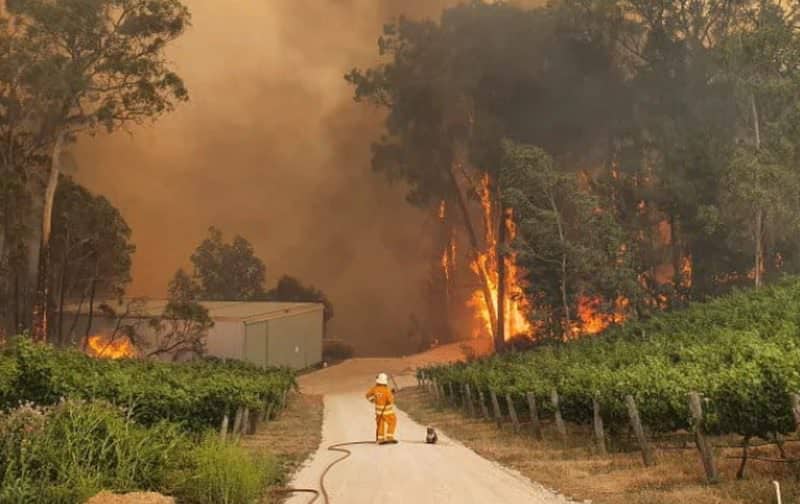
(272, 147)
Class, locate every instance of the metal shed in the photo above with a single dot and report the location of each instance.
(264, 333)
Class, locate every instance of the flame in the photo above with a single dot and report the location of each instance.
(442, 210)
(591, 320)
(686, 271)
(104, 347)
(516, 305)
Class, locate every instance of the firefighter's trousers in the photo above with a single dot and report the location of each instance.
(386, 426)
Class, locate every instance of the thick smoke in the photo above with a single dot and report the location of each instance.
(272, 147)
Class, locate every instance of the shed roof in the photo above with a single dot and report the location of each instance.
(244, 311)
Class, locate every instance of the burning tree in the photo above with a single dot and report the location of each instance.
(573, 251)
(454, 91)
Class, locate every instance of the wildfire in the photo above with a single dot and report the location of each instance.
(594, 321)
(104, 347)
(589, 319)
(516, 305)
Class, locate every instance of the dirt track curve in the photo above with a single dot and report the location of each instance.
(407, 473)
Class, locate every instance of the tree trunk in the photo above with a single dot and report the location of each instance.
(563, 241)
(745, 446)
(500, 332)
(90, 318)
(759, 213)
(61, 294)
(39, 329)
(473, 239)
(71, 332)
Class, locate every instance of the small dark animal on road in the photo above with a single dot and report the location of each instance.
(431, 437)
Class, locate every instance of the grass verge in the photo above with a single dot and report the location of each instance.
(619, 478)
(292, 437)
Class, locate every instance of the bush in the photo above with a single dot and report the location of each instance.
(70, 452)
(226, 473)
(336, 350)
(197, 395)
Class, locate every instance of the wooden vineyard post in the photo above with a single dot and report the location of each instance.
(703, 445)
(451, 397)
(470, 402)
(560, 426)
(268, 412)
(484, 408)
(251, 426)
(442, 396)
(512, 412)
(636, 423)
(536, 426)
(796, 410)
(599, 432)
(245, 421)
(237, 420)
(283, 399)
(498, 416)
(223, 429)
(435, 389)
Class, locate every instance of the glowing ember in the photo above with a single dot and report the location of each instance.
(686, 272)
(446, 264)
(442, 210)
(104, 347)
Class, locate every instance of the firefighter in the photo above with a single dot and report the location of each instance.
(385, 418)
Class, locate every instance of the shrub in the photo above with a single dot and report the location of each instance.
(70, 452)
(197, 395)
(225, 473)
(336, 350)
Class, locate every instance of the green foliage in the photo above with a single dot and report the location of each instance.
(291, 289)
(224, 473)
(70, 68)
(73, 451)
(90, 250)
(183, 326)
(196, 395)
(740, 351)
(228, 271)
(67, 453)
(569, 247)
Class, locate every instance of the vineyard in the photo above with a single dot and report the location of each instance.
(72, 425)
(195, 395)
(740, 353)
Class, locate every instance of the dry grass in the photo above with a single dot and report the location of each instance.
(293, 436)
(620, 478)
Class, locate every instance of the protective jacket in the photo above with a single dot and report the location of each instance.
(385, 418)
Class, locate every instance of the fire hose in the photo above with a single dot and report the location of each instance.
(323, 492)
(338, 447)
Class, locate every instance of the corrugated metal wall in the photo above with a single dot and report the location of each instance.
(295, 340)
(226, 339)
(255, 346)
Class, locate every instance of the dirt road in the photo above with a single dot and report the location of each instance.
(410, 472)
